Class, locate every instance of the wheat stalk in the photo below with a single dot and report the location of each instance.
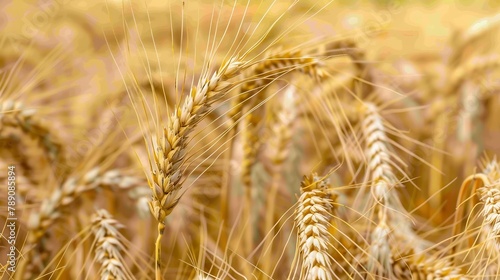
(364, 76)
(281, 132)
(266, 71)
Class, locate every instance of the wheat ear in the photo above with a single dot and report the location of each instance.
(13, 114)
(170, 147)
(490, 196)
(411, 266)
(383, 180)
(313, 215)
(478, 30)
(108, 250)
(58, 204)
(476, 66)
(487, 189)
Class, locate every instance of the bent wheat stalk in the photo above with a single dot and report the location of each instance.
(265, 72)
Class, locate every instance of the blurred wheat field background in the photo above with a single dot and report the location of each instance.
(249, 139)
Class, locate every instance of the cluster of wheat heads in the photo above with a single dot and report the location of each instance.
(245, 140)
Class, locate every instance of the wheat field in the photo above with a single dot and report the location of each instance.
(298, 139)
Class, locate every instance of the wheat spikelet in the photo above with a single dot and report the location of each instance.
(379, 262)
(108, 250)
(313, 215)
(250, 147)
(489, 194)
(492, 170)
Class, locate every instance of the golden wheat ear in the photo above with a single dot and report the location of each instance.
(108, 247)
(410, 265)
(170, 145)
(58, 205)
(393, 222)
(16, 115)
(313, 215)
(487, 236)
